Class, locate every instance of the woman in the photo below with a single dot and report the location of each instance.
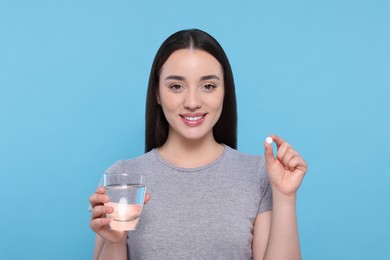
(209, 200)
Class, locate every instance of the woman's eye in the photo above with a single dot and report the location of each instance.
(175, 87)
(209, 87)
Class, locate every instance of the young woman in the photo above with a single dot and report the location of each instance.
(209, 200)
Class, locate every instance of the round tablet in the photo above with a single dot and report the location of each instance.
(269, 140)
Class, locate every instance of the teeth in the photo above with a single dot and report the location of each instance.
(193, 118)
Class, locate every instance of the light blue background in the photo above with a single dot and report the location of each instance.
(73, 77)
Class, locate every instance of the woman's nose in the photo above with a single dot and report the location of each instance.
(192, 100)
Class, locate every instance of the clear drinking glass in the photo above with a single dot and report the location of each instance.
(126, 194)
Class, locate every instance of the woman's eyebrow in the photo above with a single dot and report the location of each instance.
(208, 77)
(174, 77)
(181, 78)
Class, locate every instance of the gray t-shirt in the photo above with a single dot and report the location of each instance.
(198, 213)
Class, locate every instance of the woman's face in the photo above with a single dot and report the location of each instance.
(191, 91)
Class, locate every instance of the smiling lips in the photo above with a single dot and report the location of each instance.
(193, 119)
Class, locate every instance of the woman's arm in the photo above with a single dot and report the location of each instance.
(283, 240)
(261, 230)
(109, 250)
(276, 233)
(109, 244)
(99, 243)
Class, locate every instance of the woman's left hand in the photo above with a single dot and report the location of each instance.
(287, 169)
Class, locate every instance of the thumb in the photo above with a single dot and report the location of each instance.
(268, 154)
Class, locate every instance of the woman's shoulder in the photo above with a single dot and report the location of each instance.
(135, 162)
(242, 160)
(245, 163)
(233, 154)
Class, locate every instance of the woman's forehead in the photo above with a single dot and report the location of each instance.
(190, 62)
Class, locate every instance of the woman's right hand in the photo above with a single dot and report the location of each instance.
(99, 222)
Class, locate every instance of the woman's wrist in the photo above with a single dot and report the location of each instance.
(117, 242)
(114, 250)
(283, 198)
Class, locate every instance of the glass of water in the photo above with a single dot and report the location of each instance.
(126, 192)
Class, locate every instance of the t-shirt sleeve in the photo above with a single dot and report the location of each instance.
(265, 189)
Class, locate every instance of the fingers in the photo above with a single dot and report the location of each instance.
(297, 162)
(147, 198)
(98, 223)
(268, 154)
(99, 197)
(287, 155)
(101, 211)
(283, 147)
(277, 140)
(293, 163)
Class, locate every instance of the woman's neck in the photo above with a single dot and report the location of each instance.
(190, 153)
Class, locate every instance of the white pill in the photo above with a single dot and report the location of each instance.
(269, 140)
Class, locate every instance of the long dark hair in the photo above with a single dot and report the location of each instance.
(157, 127)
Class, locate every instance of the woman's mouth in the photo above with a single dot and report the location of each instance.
(193, 120)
